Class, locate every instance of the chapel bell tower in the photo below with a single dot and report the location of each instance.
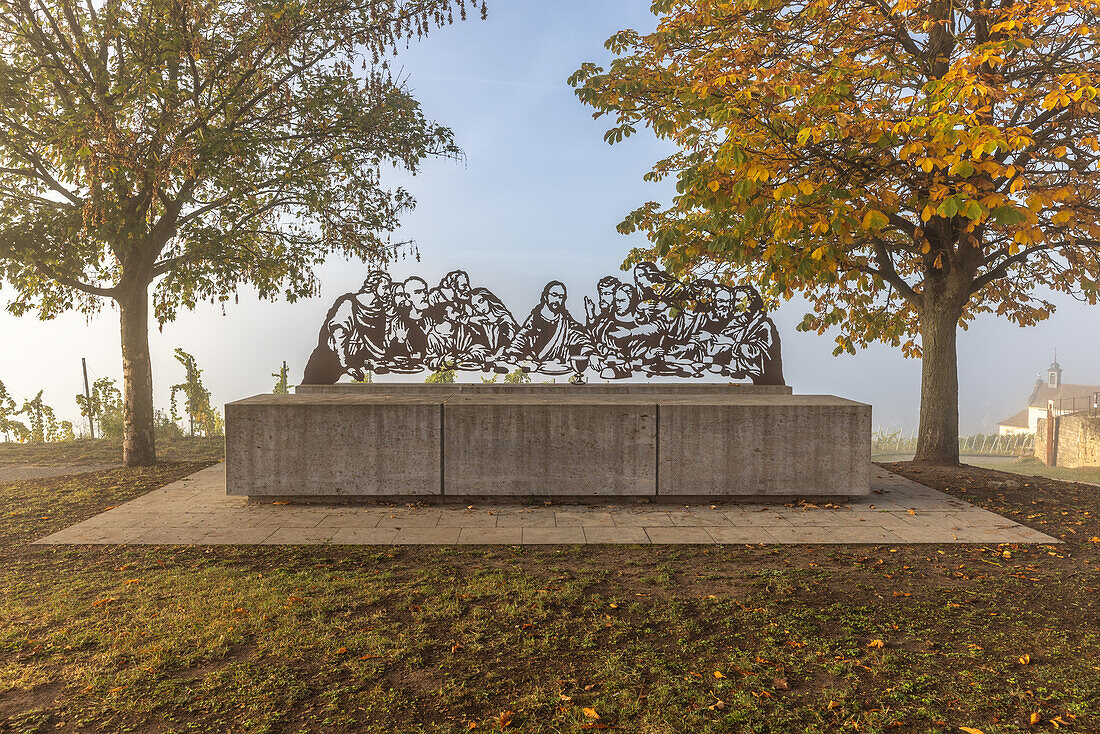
(1054, 374)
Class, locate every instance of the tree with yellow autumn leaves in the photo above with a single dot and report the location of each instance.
(905, 165)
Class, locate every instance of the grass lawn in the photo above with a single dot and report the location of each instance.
(106, 451)
(554, 639)
(1035, 468)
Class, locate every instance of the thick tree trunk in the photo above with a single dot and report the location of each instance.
(938, 435)
(138, 442)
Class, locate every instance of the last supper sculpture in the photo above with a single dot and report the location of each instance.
(653, 325)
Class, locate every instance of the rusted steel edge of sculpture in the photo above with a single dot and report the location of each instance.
(655, 326)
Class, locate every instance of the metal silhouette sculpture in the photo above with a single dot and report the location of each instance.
(653, 326)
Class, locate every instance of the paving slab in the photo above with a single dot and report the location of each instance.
(197, 511)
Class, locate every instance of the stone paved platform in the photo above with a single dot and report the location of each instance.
(197, 511)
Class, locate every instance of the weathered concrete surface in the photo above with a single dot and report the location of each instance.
(549, 445)
(320, 445)
(764, 445)
(543, 388)
(574, 443)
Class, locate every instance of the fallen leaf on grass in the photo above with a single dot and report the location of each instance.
(341, 651)
(590, 686)
(876, 644)
(505, 718)
(833, 705)
(1036, 718)
(281, 502)
(102, 601)
(971, 730)
(590, 713)
(1025, 659)
(564, 697)
(717, 705)
(718, 674)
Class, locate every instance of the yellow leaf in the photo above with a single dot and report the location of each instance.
(832, 705)
(806, 187)
(713, 185)
(1036, 718)
(590, 713)
(1025, 659)
(718, 674)
(971, 730)
(876, 644)
(341, 651)
(1062, 217)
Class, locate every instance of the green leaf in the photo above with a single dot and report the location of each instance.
(1007, 215)
(962, 168)
(972, 210)
(949, 207)
(875, 220)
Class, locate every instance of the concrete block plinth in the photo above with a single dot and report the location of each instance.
(537, 445)
(332, 446)
(444, 441)
(779, 446)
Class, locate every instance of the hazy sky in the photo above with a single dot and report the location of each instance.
(537, 198)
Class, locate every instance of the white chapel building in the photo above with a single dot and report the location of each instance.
(1066, 398)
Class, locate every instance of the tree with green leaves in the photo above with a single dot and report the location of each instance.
(906, 165)
(105, 407)
(517, 377)
(42, 425)
(8, 425)
(441, 377)
(196, 399)
(174, 151)
(282, 381)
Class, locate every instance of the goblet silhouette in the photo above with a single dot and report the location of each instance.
(579, 362)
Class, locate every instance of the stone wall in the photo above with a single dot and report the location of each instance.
(1076, 441)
